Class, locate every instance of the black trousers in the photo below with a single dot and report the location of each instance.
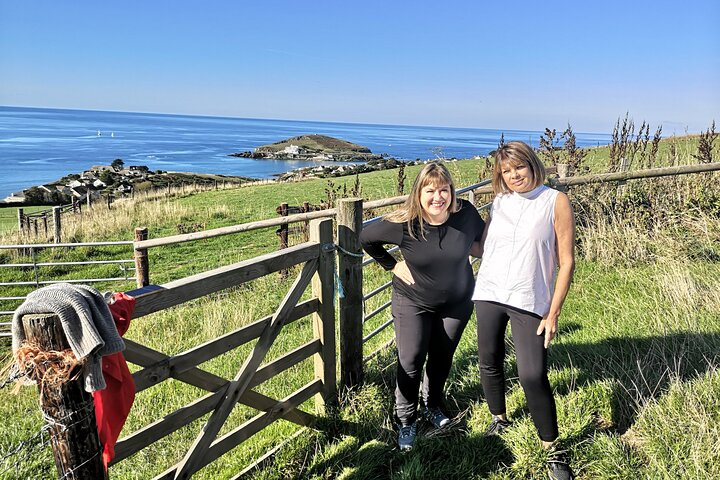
(492, 320)
(420, 334)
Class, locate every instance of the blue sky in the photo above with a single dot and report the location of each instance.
(505, 65)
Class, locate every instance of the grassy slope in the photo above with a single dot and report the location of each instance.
(633, 366)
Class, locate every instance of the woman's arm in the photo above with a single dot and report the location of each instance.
(476, 249)
(373, 239)
(565, 242)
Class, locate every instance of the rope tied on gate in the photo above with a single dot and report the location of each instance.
(338, 282)
(352, 254)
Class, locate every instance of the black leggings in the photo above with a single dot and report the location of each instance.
(492, 319)
(424, 333)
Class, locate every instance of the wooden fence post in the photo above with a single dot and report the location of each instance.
(35, 227)
(45, 223)
(563, 171)
(142, 263)
(20, 219)
(323, 288)
(282, 233)
(306, 225)
(73, 430)
(283, 230)
(57, 224)
(349, 225)
(88, 197)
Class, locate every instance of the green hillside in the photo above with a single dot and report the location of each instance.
(635, 368)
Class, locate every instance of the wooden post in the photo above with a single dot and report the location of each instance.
(45, 223)
(306, 228)
(349, 225)
(57, 224)
(563, 170)
(73, 432)
(35, 227)
(324, 319)
(88, 197)
(20, 219)
(282, 233)
(283, 230)
(624, 167)
(142, 264)
(109, 201)
(73, 202)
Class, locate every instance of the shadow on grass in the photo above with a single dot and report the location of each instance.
(639, 368)
(357, 452)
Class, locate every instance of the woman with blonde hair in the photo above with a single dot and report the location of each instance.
(525, 274)
(432, 287)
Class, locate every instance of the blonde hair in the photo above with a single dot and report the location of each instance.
(517, 153)
(411, 211)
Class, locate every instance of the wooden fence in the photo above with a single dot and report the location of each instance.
(318, 265)
(318, 258)
(39, 277)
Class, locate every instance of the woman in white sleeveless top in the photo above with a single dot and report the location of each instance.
(526, 270)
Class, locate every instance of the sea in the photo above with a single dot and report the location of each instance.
(41, 145)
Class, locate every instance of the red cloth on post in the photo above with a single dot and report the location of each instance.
(112, 405)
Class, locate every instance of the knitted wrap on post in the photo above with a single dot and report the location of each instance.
(86, 321)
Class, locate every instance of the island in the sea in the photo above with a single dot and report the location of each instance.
(313, 147)
(116, 179)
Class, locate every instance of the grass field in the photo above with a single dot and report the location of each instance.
(635, 368)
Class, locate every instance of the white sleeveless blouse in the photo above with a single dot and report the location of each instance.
(519, 262)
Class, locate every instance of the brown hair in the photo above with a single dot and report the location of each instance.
(517, 153)
(432, 174)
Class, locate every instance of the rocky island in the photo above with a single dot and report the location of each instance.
(313, 147)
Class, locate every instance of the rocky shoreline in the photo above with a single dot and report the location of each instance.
(112, 180)
(324, 171)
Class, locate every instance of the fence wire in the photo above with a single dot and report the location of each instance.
(24, 450)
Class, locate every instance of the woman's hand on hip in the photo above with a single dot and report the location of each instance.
(548, 325)
(402, 271)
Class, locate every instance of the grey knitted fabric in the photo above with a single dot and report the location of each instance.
(86, 321)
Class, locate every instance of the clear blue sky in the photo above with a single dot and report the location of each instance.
(506, 65)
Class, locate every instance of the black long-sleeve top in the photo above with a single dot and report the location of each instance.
(438, 263)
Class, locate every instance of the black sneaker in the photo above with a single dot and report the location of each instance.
(558, 466)
(406, 436)
(497, 426)
(435, 416)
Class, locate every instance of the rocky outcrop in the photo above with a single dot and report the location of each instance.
(313, 147)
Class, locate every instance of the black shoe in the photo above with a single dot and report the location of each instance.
(435, 416)
(558, 466)
(406, 436)
(497, 426)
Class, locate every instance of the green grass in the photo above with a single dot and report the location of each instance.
(635, 368)
(9, 219)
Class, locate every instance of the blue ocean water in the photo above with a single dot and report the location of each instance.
(39, 145)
